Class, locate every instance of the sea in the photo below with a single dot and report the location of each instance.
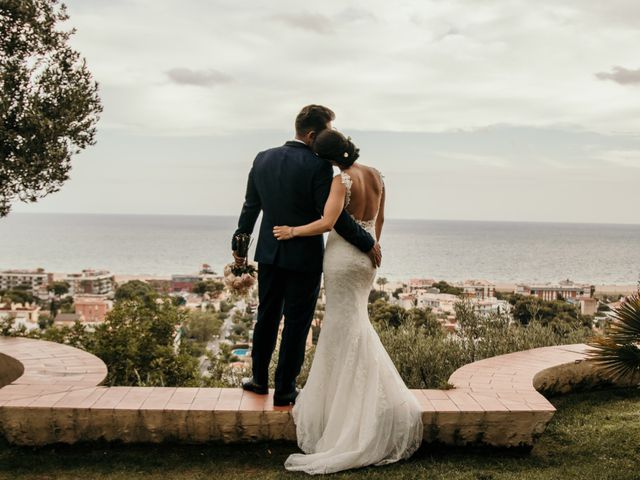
(161, 245)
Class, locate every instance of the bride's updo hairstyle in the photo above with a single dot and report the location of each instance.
(335, 147)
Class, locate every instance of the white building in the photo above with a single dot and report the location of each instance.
(479, 289)
(587, 305)
(565, 289)
(407, 300)
(444, 304)
(437, 302)
(37, 280)
(91, 282)
(491, 305)
(23, 314)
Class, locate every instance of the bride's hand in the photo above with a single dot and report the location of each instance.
(284, 232)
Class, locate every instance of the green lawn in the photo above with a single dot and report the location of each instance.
(594, 435)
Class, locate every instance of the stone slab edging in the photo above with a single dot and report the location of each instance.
(58, 398)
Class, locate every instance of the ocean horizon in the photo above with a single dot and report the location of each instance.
(165, 244)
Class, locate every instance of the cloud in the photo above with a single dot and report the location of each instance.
(437, 28)
(624, 158)
(353, 14)
(312, 22)
(424, 65)
(201, 78)
(621, 75)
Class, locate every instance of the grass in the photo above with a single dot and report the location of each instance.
(594, 435)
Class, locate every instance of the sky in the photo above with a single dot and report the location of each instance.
(492, 110)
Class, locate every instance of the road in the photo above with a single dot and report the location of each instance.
(214, 344)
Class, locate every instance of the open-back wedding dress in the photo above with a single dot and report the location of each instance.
(354, 410)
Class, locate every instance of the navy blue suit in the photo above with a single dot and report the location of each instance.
(290, 185)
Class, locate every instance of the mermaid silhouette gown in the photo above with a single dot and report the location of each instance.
(354, 410)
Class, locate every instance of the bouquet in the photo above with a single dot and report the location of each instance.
(240, 278)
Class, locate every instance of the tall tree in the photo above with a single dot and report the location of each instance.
(382, 281)
(212, 287)
(136, 290)
(59, 288)
(49, 103)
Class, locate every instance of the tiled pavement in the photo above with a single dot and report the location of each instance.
(57, 398)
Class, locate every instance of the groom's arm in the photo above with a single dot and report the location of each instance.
(250, 210)
(345, 225)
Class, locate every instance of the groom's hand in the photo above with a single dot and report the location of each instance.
(239, 260)
(375, 254)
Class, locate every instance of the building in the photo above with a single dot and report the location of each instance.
(181, 283)
(36, 281)
(91, 282)
(565, 289)
(92, 308)
(443, 305)
(207, 272)
(184, 283)
(407, 300)
(193, 301)
(67, 319)
(23, 314)
(438, 302)
(588, 305)
(487, 306)
(480, 289)
(420, 283)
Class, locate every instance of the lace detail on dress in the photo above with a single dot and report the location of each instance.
(366, 224)
(347, 182)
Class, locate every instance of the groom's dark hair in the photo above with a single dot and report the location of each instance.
(313, 118)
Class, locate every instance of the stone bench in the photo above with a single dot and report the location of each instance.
(51, 394)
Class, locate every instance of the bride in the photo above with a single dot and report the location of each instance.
(354, 410)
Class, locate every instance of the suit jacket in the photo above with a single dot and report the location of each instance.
(290, 185)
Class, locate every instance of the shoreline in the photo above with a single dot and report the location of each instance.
(234, 218)
(610, 289)
(503, 287)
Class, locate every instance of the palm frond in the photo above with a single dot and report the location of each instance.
(617, 352)
(625, 327)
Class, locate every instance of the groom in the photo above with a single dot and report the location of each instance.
(290, 185)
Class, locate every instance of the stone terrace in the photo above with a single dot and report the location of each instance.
(50, 393)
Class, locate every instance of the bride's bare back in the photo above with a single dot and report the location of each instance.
(366, 192)
(365, 197)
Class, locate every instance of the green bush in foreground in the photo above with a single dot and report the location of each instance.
(425, 357)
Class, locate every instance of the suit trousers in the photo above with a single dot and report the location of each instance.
(292, 294)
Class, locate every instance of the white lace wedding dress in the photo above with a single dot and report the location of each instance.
(354, 410)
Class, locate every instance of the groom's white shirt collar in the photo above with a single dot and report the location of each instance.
(298, 140)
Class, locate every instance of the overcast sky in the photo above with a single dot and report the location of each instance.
(493, 110)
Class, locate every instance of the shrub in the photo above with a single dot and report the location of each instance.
(426, 357)
(136, 341)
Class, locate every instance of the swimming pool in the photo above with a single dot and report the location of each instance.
(240, 352)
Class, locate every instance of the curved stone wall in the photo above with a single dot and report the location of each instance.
(57, 397)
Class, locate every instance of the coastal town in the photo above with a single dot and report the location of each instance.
(37, 299)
